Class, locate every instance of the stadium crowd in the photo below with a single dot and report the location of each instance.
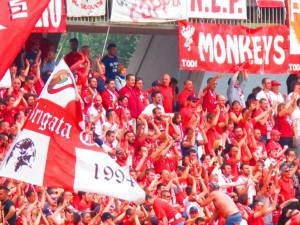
(201, 159)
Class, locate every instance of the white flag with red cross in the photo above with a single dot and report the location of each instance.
(51, 149)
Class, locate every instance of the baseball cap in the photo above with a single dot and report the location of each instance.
(192, 98)
(193, 209)
(156, 83)
(106, 216)
(275, 132)
(275, 83)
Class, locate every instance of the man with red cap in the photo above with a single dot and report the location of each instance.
(276, 96)
(273, 144)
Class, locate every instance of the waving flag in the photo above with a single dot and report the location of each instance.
(17, 20)
(51, 149)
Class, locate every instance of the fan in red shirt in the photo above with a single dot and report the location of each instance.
(223, 117)
(286, 182)
(284, 123)
(130, 92)
(110, 95)
(209, 95)
(164, 211)
(188, 111)
(142, 95)
(256, 217)
(167, 93)
(77, 62)
(266, 124)
(89, 93)
(274, 145)
(185, 93)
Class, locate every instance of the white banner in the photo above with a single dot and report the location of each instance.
(98, 172)
(81, 8)
(148, 11)
(218, 9)
(294, 27)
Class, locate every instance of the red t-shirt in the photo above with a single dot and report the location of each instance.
(287, 189)
(186, 115)
(222, 119)
(255, 221)
(109, 99)
(182, 97)
(167, 93)
(285, 126)
(72, 58)
(262, 127)
(164, 209)
(143, 100)
(209, 100)
(133, 98)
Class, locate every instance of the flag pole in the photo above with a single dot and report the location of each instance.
(61, 47)
(105, 42)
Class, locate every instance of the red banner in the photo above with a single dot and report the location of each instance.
(17, 19)
(53, 19)
(270, 3)
(220, 48)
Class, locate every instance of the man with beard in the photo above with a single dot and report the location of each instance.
(156, 103)
(96, 115)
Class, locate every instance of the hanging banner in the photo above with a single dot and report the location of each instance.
(220, 48)
(82, 8)
(148, 11)
(294, 13)
(218, 9)
(270, 3)
(53, 19)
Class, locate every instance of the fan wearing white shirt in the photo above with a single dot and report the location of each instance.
(156, 103)
(276, 96)
(296, 124)
(266, 91)
(296, 92)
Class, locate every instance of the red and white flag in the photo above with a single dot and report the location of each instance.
(52, 150)
(270, 3)
(17, 20)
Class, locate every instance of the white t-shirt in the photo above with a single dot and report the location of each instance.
(276, 98)
(149, 108)
(92, 111)
(264, 94)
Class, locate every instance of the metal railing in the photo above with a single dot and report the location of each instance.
(255, 17)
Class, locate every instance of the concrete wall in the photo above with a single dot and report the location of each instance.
(156, 55)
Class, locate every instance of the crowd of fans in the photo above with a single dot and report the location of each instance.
(201, 159)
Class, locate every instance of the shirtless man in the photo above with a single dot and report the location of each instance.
(224, 205)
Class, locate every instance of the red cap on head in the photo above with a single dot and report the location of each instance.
(275, 83)
(275, 132)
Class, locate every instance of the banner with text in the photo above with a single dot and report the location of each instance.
(148, 11)
(53, 19)
(218, 9)
(81, 8)
(220, 48)
(294, 13)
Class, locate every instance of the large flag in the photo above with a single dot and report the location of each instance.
(51, 150)
(5, 82)
(17, 19)
(270, 3)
